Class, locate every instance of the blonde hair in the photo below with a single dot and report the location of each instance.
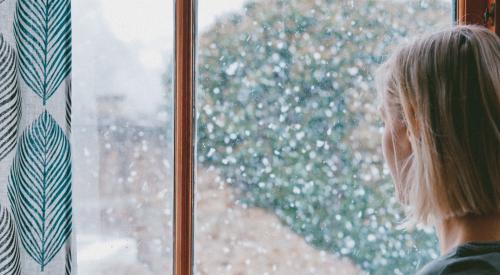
(445, 87)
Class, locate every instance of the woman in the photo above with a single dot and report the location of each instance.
(441, 109)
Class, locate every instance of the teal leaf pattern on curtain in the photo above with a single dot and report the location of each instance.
(69, 259)
(43, 33)
(40, 189)
(9, 248)
(10, 101)
(68, 106)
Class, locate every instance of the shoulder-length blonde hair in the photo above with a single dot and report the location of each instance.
(446, 89)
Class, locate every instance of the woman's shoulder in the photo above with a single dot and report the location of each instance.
(469, 258)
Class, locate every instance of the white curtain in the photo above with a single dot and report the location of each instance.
(35, 124)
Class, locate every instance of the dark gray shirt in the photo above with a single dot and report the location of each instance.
(469, 258)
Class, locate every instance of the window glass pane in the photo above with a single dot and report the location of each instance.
(290, 176)
(122, 135)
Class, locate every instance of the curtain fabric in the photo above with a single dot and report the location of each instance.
(35, 124)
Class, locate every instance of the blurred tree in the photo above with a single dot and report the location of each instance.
(287, 114)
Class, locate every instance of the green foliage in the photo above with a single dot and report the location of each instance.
(288, 115)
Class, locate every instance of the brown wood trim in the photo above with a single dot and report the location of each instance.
(184, 83)
(471, 11)
(461, 11)
(497, 17)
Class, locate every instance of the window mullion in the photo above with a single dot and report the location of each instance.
(184, 83)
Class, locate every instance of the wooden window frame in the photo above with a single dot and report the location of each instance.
(467, 12)
(473, 12)
(184, 134)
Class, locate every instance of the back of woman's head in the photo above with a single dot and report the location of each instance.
(445, 88)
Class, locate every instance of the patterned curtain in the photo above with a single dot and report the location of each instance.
(35, 123)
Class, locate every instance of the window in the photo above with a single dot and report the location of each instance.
(122, 136)
(290, 177)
